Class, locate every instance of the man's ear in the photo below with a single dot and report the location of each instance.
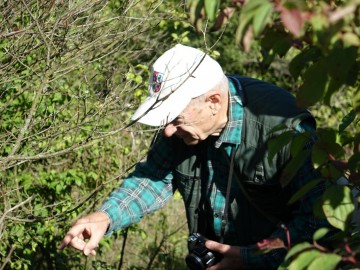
(215, 100)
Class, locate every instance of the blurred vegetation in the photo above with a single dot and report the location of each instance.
(72, 73)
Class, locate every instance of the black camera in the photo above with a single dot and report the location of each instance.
(199, 256)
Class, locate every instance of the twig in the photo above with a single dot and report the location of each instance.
(6, 35)
(14, 207)
(7, 259)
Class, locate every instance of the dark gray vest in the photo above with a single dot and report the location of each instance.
(265, 106)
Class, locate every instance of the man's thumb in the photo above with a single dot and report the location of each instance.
(92, 244)
(212, 245)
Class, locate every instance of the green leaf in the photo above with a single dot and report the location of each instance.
(333, 87)
(320, 233)
(326, 148)
(304, 260)
(195, 7)
(319, 156)
(339, 62)
(347, 120)
(143, 67)
(279, 142)
(356, 101)
(326, 134)
(346, 137)
(138, 79)
(354, 162)
(251, 6)
(59, 187)
(351, 39)
(244, 22)
(302, 60)
(318, 210)
(297, 249)
(246, 17)
(299, 142)
(334, 149)
(325, 262)
(277, 128)
(314, 85)
(274, 42)
(78, 181)
(330, 171)
(261, 17)
(270, 37)
(211, 8)
(93, 175)
(283, 266)
(57, 97)
(338, 206)
(282, 46)
(305, 189)
(292, 167)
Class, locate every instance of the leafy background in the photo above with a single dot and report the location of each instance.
(72, 73)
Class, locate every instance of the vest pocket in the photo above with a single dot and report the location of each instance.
(254, 167)
(189, 188)
(188, 185)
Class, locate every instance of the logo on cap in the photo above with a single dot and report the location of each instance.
(157, 79)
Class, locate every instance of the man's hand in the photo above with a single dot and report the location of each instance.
(231, 256)
(92, 227)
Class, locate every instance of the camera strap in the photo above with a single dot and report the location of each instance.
(202, 222)
(228, 190)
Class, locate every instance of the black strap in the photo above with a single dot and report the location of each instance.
(201, 222)
(228, 189)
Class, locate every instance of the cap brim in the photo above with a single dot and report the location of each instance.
(155, 113)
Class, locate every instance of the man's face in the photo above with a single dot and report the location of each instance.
(193, 125)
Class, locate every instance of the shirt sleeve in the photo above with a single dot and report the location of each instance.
(144, 191)
(303, 224)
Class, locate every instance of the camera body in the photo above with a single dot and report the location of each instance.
(199, 256)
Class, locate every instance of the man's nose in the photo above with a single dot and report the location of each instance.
(169, 130)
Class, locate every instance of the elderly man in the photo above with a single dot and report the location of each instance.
(214, 151)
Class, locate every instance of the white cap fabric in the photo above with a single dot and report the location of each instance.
(179, 75)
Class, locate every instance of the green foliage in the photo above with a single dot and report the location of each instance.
(72, 74)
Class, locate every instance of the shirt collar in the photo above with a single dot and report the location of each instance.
(232, 131)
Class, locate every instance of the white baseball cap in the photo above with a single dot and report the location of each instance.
(179, 75)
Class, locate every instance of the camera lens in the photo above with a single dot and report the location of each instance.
(197, 261)
(194, 262)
